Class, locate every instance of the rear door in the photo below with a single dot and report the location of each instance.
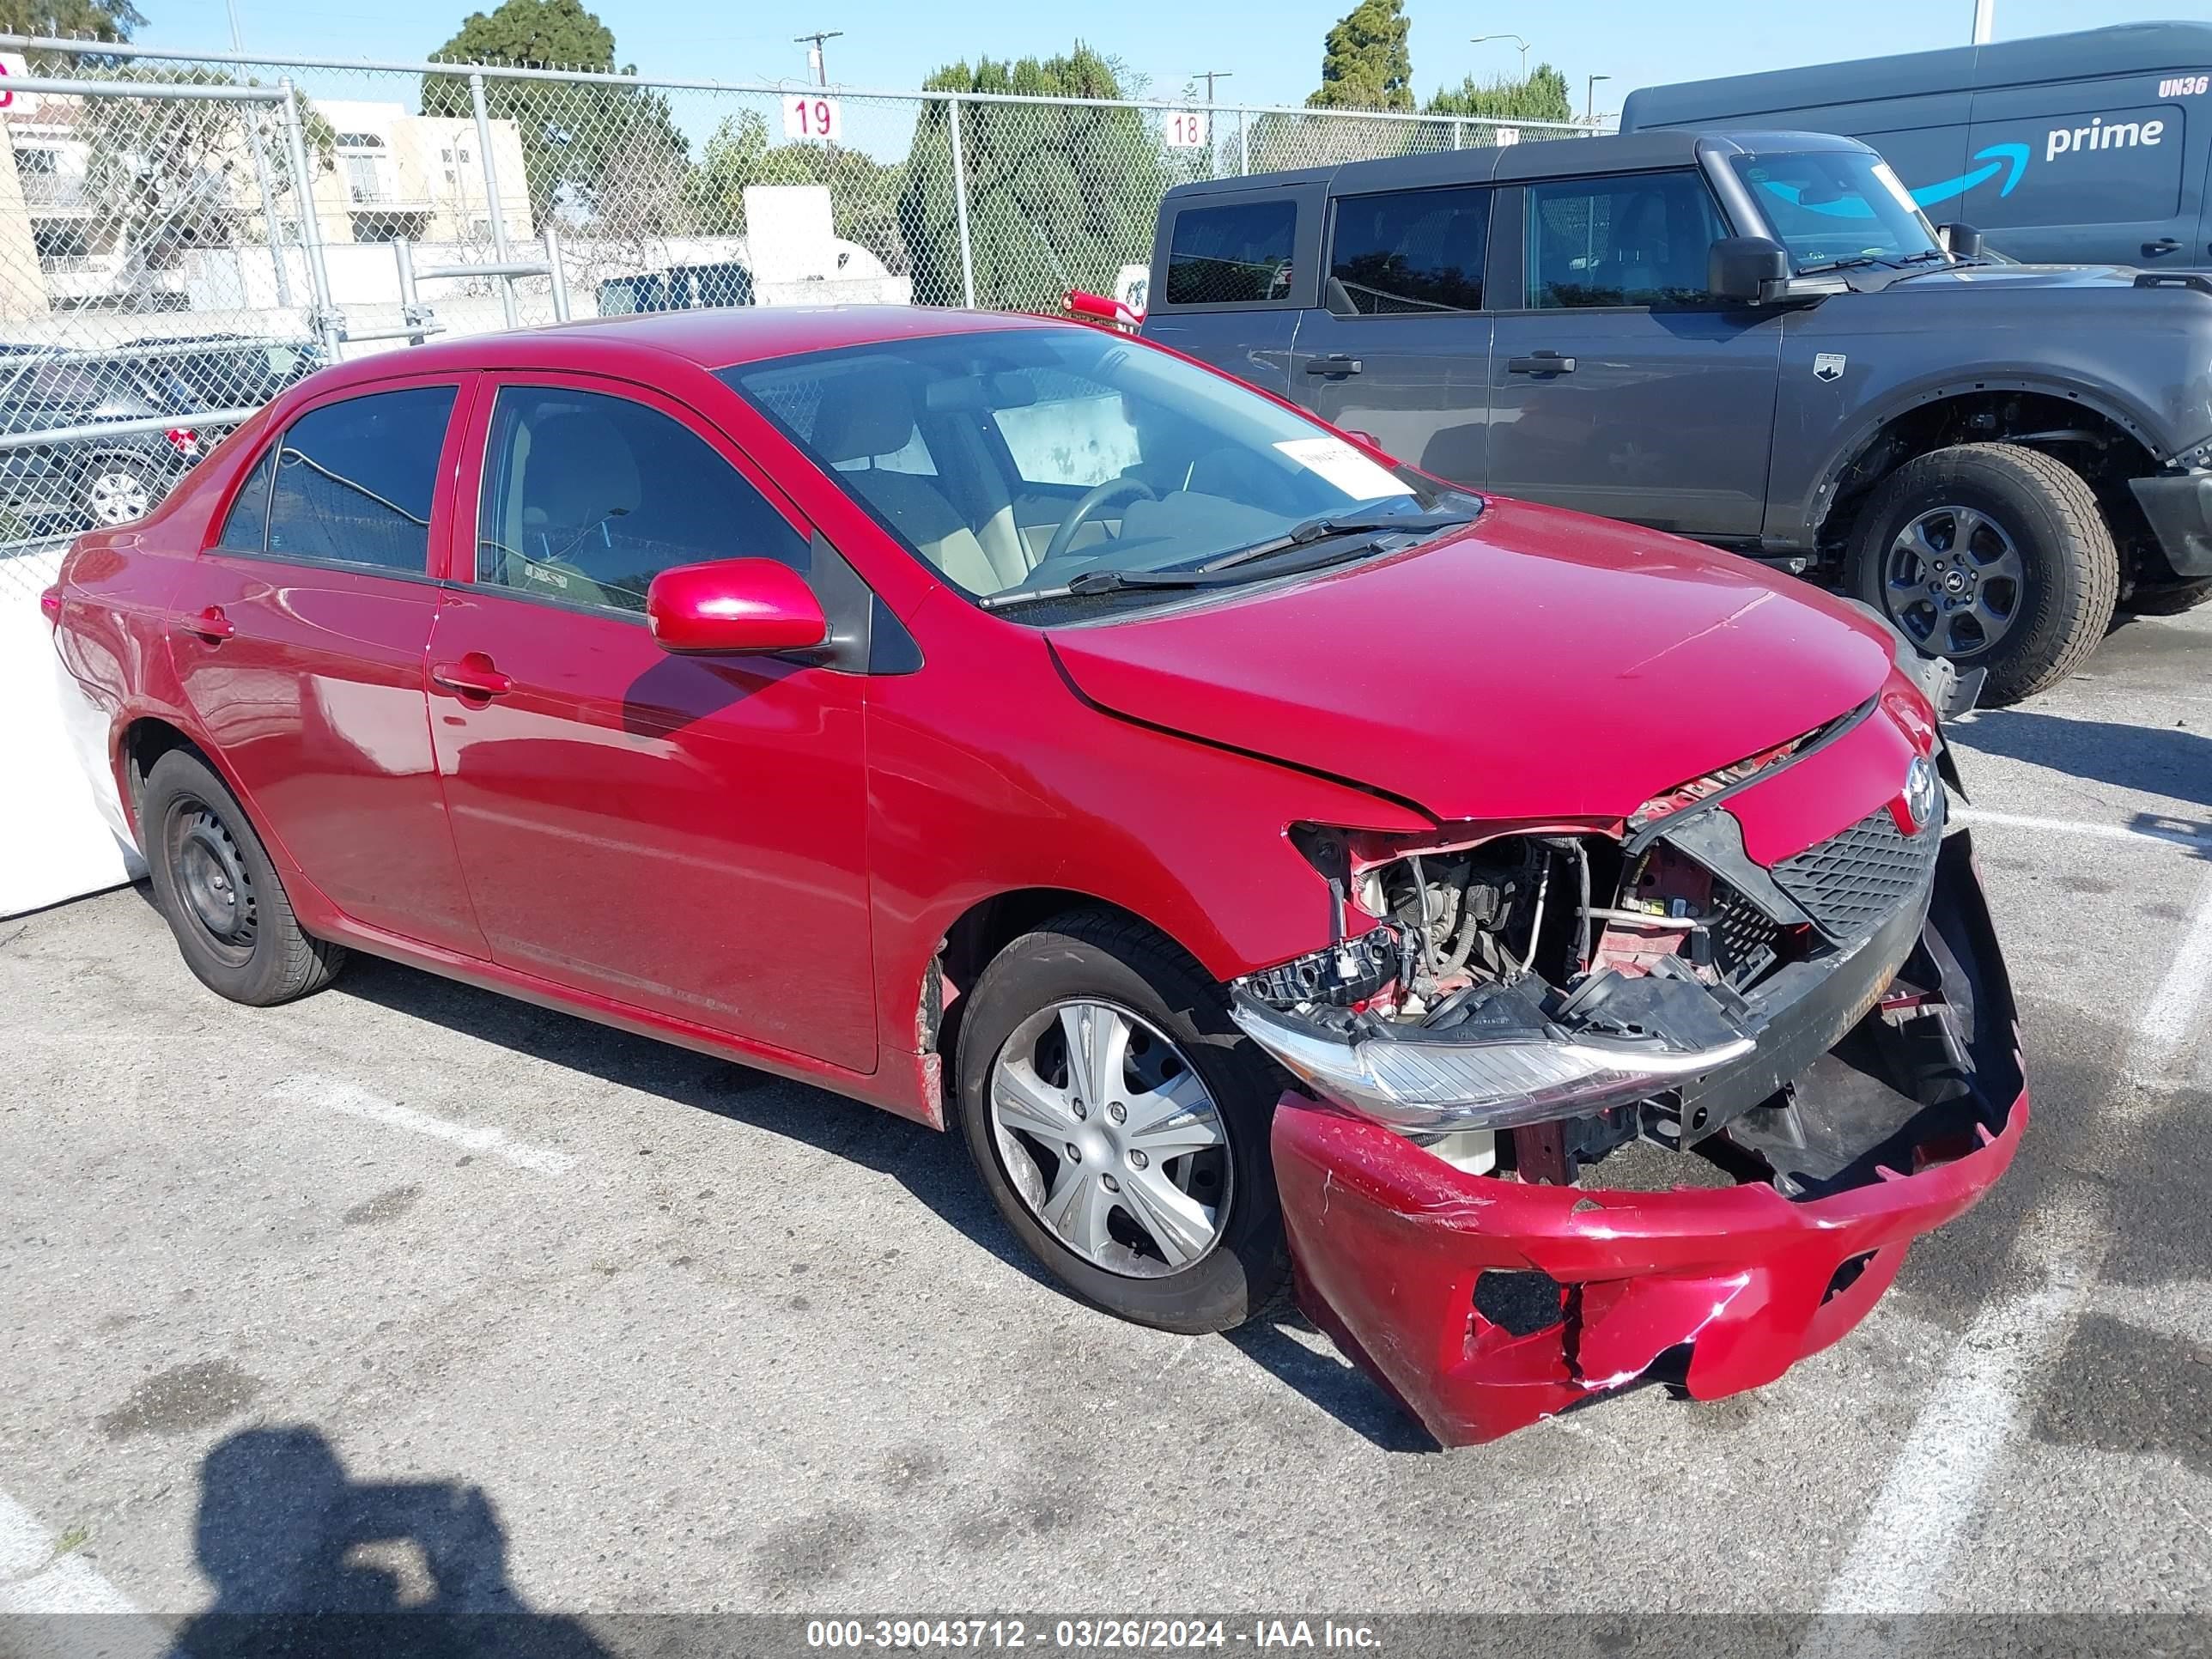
(1618, 386)
(1399, 347)
(1234, 272)
(299, 639)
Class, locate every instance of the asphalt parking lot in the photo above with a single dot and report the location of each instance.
(703, 1340)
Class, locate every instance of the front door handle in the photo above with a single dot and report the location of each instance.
(1336, 362)
(2164, 245)
(1540, 363)
(473, 676)
(212, 625)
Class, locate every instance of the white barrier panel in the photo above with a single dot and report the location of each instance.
(61, 840)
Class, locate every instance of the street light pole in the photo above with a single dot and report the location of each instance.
(1590, 99)
(1516, 40)
(820, 59)
(1985, 21)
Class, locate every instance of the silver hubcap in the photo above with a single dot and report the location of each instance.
(1111, 1139)
(118, 497)
(1953, 581)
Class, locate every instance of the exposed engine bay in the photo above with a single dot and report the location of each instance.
(1530, 1004)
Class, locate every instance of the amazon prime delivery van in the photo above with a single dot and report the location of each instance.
(2082, 149)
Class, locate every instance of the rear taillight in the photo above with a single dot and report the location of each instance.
(184, 441)
(50, 603)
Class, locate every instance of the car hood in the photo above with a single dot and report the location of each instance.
(1992, 278)
(1538, 664)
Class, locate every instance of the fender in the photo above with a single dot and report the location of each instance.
(1798, 525)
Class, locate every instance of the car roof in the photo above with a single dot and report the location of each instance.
(709, 339)
(1530, 159)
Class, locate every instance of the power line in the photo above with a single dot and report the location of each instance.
(820, 59)
(1210, 77)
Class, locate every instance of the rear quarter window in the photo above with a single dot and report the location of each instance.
(1238, 253)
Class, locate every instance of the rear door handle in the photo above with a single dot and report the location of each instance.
(211, 624)
(473, 676)
(1540, 363)
(2164, 245)
(1336, 362)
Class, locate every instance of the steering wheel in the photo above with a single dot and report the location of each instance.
(1085, 510)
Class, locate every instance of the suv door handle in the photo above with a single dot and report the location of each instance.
(210, 625)
(2164, 245)
(1336, 362)
(473, 676)
(1540, 363)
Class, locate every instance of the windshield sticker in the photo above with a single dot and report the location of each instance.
(1338, 463)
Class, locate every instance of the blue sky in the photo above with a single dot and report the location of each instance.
(1274, 52)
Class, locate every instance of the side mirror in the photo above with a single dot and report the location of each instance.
(1964, 240)
(734, 606)
(1747, 269)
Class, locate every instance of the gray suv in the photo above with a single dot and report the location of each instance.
(1753, 338)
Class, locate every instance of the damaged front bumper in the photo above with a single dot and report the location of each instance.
(1483, 1303)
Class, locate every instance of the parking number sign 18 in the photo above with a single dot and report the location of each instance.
(811, 115)
(1186, 131)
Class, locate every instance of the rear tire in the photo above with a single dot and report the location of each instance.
(215, 885)
(1174, 1039)
(2026, 592)
(2171, 600)
(119, 489)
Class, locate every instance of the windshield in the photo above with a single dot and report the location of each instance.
(1829, 206)
(1021, 460)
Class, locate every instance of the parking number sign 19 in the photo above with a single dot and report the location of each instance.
(811, 115)
(1186, 131)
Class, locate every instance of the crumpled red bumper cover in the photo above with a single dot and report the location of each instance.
(1389, 1244)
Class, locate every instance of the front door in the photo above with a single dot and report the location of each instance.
(299, 640)
(683, 835)
(1619, 387)
(1400, 349)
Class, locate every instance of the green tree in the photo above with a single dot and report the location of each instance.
(584, 145)
(100, 20)
(1059, 196)
(1542, 96)
(1365, 62)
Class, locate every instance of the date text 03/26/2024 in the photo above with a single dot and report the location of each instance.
(1082, 1635)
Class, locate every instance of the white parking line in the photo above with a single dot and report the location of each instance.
(2178, 835)
(2173, 1010)
(41, 1580)
(1896, 1563)
(336, 1095)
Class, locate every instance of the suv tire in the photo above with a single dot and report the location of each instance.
(215, 885)
(2171, 600)
(1173, 1017)
(2039, 578)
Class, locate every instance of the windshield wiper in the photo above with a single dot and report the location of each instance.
(1214, 575)
(1338, 523)
(1855, 262)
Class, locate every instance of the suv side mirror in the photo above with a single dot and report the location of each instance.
(734, 606)
(1747, 269)
(1964, 240)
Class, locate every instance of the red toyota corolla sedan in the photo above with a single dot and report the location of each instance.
(1541, 935)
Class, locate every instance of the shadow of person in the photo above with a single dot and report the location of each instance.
(306, 1560)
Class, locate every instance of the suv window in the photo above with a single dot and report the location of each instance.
(1633, 239)
(1408, 251)
(588, 497)
(355, 480)
(1238, 254)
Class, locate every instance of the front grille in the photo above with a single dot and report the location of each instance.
(1849, 882)
(1743, 937)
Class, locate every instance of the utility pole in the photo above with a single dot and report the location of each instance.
(1210, 77)
(1516, 40)
(1590, 99)
(815, 57)
(1985, 21)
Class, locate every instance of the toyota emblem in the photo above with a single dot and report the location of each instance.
(1920, 793)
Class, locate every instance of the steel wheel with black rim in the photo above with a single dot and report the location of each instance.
(1119, 1122)
(1995, 555)
(221, 897)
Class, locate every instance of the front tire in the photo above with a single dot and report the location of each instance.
(1119, 1122)
(213, 884)
(1994, 555)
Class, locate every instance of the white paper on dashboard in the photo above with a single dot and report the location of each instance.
(1339, 464)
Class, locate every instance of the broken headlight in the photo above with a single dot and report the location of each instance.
(1502, 1064)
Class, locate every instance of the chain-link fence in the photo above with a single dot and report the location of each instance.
(182, 236)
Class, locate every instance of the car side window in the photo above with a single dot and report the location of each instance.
(1409, 251)
(1633, 239)
(246, 526)
(1235, 254)
(588, 497)
(355, 480)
